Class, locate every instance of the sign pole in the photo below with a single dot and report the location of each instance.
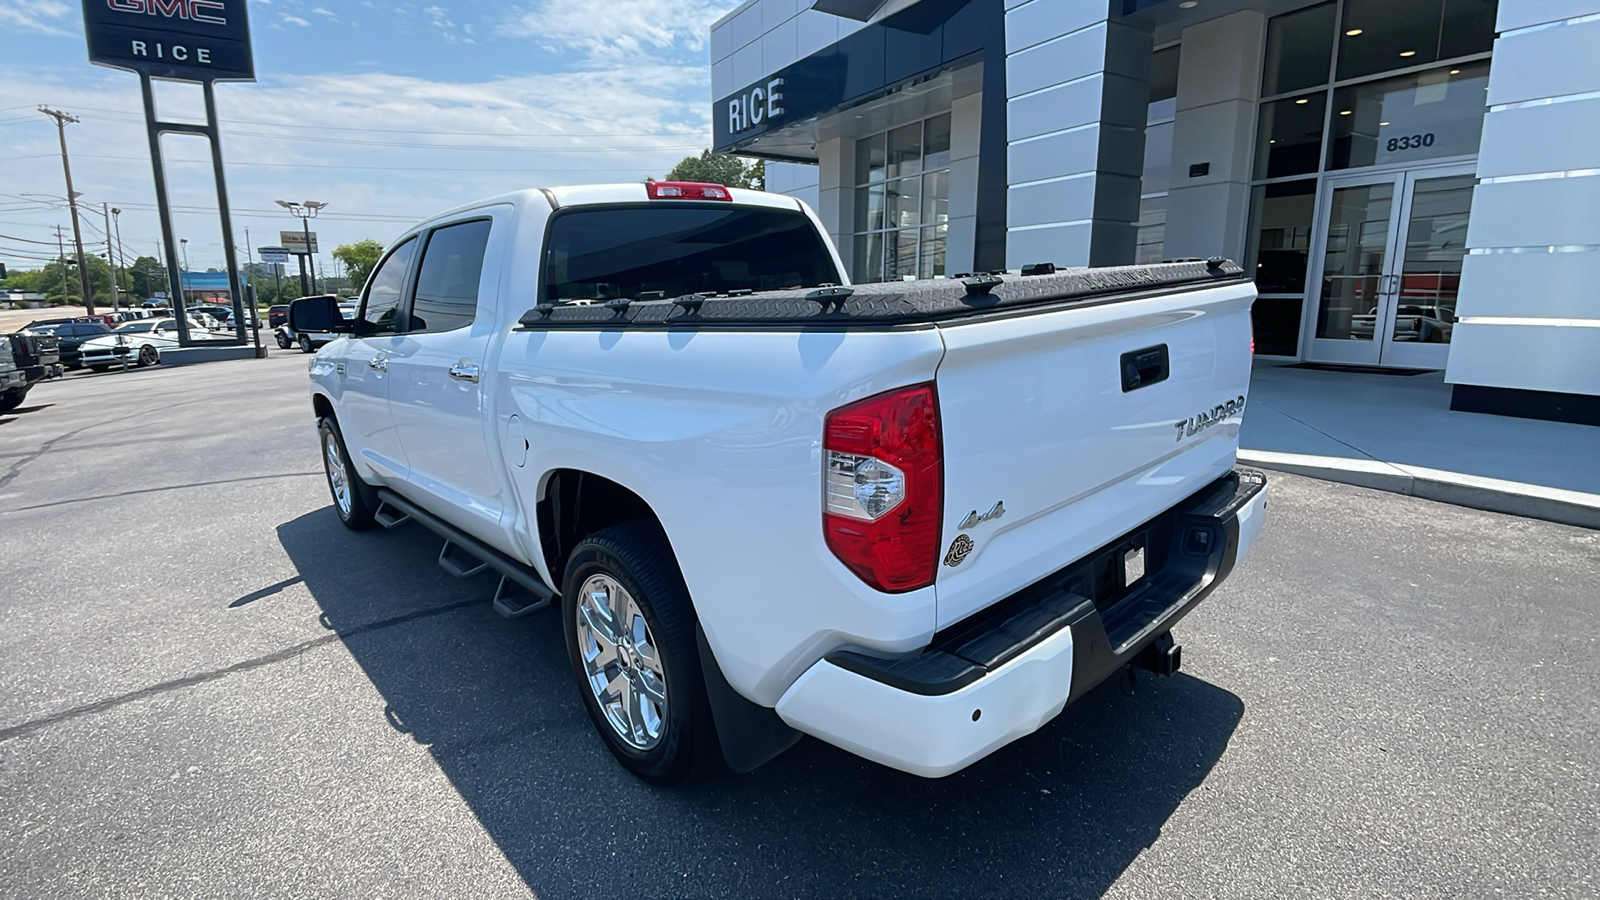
(228, 251)
(170, 246)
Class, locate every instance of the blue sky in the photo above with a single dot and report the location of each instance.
(389, 112)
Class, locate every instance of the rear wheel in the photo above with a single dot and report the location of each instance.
(100, 367)
(630, 637)
(148, 356)
(305, 345)
(283, 341)
(353, 499)
(12, 399)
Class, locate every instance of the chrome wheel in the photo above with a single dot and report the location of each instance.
(147, 355)
(621, 663)
(338, 477)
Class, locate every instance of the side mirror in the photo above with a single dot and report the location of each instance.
(317, 314)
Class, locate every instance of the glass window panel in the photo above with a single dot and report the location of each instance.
(1164, 74)
(868, 258)
(900, 255)
(870, 159)
(869, 208)
(1436, 245)
(1280, 240)
(1354, 263)
(905, 150)
(1289, 139)
(1299, 50)
(447, 283)
(933, 241)
(1381, 35)
(1468, 27)
(904, 202)
(1157, 159)
(382, 304)
(936, 197)
(936, 142)
(1424, 115)
(1151, 230)
(1276, 325)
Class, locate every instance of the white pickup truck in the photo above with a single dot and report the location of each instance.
(912, 519)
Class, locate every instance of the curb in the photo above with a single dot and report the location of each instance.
(1493, 494)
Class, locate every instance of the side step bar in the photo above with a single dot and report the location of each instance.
(535, 595)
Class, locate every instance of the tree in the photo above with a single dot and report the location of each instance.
(717, 168)
(359, 260)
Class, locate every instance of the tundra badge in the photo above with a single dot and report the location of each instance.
(1195, 424)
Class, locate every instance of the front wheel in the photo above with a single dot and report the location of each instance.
(283, 342)
(630, 637)
(12, 399)
(306, 346)
(353, 499)
(148, 356)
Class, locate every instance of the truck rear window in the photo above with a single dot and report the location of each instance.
(669, 250)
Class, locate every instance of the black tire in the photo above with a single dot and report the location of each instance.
(363, 497)
(637, 556)
(100, 368)
(306, 346)
(284, 343)
(12, 399)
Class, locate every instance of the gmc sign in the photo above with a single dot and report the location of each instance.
(180, 40)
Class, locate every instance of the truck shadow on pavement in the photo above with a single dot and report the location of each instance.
(1061, 813)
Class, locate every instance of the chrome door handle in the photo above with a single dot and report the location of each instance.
(379, 363)
(464, 373)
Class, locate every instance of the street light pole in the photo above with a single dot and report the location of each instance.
(72, 203)
(116, 217)
(111, 256)
(305, 212)
(183, 277)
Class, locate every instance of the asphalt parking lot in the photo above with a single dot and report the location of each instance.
(212, 689)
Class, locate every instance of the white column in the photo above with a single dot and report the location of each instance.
(1077, 89)
(1219, 79)
(1529, 306)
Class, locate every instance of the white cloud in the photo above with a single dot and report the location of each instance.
(33, 15)
(439, 19)
(323, 12)
(294, 20)
(624, 28)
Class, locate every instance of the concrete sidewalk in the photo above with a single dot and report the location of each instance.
(1397, 433)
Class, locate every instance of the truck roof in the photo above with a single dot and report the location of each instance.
(598, 194)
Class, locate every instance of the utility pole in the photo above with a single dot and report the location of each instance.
(111, 255)
(62, 119)
(116, 216)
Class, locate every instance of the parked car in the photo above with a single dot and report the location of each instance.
(139, 343)
(13, 381)
(277, 314)
(37, 355)
(914, 520)
(70, 338)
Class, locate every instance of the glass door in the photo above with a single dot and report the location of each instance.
(1388, 252)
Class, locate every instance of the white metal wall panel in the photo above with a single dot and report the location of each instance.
(1526, 357)
(1064, 244)
(1555, 137)
(1051, 201)
(1080, 53)
(1514, 14)
(1038, 21)
(1550, 62)
(1049, 157)
(1539, 285)
(1546, 212)
(780, 47)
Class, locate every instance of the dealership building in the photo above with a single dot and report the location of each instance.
(1415, 183)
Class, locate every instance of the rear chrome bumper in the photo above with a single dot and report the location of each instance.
(1006, 672)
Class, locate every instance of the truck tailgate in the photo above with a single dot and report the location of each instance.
(1066, 428)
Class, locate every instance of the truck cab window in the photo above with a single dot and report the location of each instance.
(675, 249)
(382, 303)
(447, 283)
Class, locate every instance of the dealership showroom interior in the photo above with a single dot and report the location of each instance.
(1413, 183)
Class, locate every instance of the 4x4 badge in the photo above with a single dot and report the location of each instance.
(959, 548)
(973, 519)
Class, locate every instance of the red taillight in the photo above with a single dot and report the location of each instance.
(883, 485)
(685, 190)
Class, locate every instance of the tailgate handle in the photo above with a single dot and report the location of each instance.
(1141, 368)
